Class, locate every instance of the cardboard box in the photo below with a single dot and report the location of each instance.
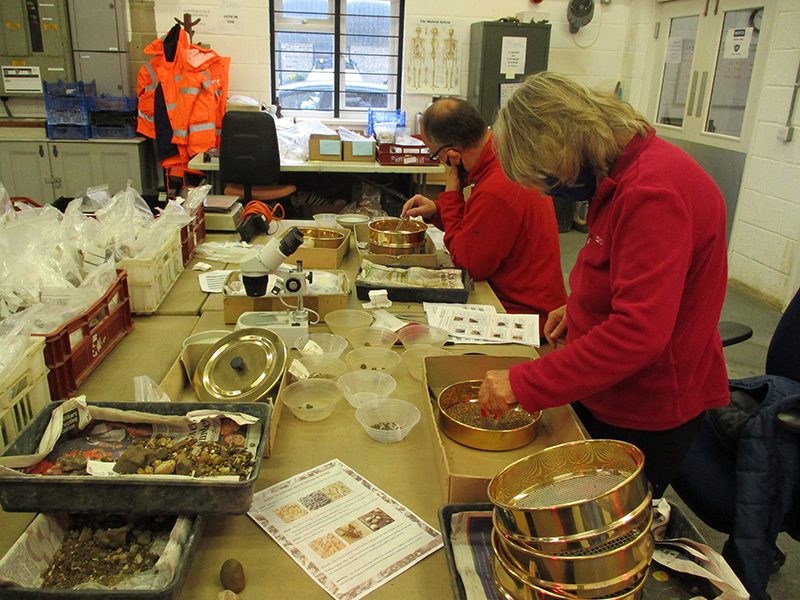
(465, 472)
(234, 306)
(177, 386)
(321, 258)
(324, 147)
(427, 258)
(358, 151)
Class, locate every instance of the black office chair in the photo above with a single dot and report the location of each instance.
(742, 474)
(249, 159)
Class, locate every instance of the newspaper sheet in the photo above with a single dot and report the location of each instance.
(347, 534)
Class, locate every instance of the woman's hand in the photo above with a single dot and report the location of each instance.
(555, 329)
(496, 395)
(419, 206)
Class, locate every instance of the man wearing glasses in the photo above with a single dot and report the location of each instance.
(502, 232)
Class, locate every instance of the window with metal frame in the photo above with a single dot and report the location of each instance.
(333, 57)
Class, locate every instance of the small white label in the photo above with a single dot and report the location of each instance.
(312, 347)
(298, 369)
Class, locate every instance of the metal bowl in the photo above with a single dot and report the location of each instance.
(314, 237)
(591, 573)
(510, 587)
(384, 232)
(570, 489)
(635, 520)
(466, 392)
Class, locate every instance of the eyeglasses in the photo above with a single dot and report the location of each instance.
(435, 155)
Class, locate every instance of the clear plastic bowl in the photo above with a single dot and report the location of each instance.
(362, 386)
(373, 359)
(398, 417)
(342, 322)
(311, 399)
(331, 344)
(413, 357)
(326, 220)
(322, 367)
(417, 334)
(372, 337)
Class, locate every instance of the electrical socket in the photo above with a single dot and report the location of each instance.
(785, 134)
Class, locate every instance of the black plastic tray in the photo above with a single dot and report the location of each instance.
(78, 494)
(405, 294)
(678, 586)
(170, 592)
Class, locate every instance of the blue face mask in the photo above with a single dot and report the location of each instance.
(584, 188)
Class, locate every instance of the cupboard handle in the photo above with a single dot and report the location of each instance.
(705, 12)
(716, 8)
(55, 150)
(41, 150)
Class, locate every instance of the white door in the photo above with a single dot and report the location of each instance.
(710, 64)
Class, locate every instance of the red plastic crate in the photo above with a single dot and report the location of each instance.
(76, 348)
(403, 154)
(193, 234)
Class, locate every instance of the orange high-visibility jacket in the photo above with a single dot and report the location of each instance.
(195, 87)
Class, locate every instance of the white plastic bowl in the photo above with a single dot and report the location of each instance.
(362, 386)
(311, 399)
(372, 337)
(331, 344)
(390, 412)
(373, 359)
(417, 334)
(326, 220)
(350, 221)
(413, 357)
(342, 322)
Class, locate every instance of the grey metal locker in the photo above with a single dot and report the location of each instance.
(98, 25)
(100, 43)
(109, 70)
(486, 77)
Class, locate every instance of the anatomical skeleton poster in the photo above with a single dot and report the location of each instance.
(433, 56)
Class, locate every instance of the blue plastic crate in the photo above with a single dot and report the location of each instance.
(68, 132)
(120, 103)
(70, 88)
(67, 117)
(119, 132)
(398, 117)
(73, 103)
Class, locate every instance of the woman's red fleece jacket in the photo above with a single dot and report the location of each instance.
(643, 349)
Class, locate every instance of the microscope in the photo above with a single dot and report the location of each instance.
(264, 274)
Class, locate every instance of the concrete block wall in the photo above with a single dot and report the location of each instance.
(142, 32)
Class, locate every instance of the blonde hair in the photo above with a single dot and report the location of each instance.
(552, 126)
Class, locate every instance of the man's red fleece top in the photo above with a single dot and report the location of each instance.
(643, 350)
(507, 235)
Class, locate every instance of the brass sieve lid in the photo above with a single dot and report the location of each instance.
(241, 367)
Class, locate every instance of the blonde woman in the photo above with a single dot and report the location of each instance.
(639, 354)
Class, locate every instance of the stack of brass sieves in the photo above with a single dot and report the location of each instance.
(573, 521)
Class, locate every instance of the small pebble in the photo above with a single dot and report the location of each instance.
(231, 575)
(227, 595)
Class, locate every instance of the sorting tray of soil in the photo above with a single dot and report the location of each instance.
(133, 557)
(147, 458)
